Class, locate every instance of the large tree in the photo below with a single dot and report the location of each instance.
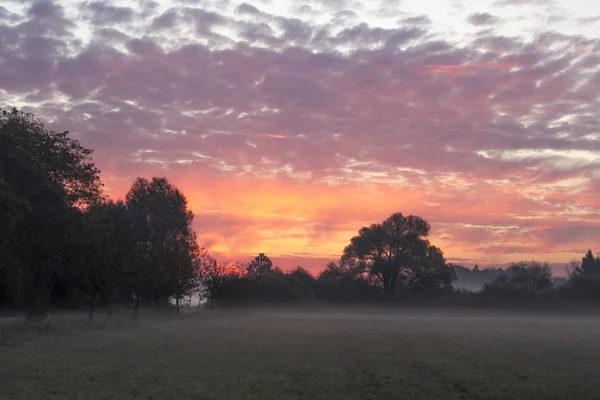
(44, 175)
(398, 255)
(162, 223)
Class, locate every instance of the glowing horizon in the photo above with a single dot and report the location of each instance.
(290, 125)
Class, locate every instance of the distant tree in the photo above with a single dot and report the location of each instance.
(212, 276)
(525, 277)
(45, 175)
(397, 253)
(162, 222)
(585, 277)
(260, 265)
(530, 276)
(474, 279)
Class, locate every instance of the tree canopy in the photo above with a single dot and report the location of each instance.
(397, 253)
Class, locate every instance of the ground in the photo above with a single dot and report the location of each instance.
(280, 355)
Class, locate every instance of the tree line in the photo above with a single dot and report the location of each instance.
(63, 243)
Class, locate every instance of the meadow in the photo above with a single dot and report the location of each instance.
(309, 355)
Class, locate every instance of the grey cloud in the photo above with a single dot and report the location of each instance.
(101, 13)
(481, 19)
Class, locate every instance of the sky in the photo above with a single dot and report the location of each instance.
(289, 125)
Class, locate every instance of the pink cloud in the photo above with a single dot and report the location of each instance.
(402, 120)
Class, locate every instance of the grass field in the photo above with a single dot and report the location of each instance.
(311, 356)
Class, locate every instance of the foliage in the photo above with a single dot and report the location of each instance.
(44, 176)
(397, 253)
(585, 277)
(164, 237)
(526, 277)
(260, 265)
(105, 249)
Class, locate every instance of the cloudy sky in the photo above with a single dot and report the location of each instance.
(291, 124)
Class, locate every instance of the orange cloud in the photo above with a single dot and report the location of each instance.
(465, 69)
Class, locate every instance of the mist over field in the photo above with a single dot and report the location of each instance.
(352, 353)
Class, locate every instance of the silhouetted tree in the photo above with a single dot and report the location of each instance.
(345, 268)
(44, 175)
(181, 256)
(260, 265)
(398, 255)
(525, 277)
(585, 277)
(162, 223)
(105, 247)
(213, 275)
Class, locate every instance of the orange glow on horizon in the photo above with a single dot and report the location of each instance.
(309, 223)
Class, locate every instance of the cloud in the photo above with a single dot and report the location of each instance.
(482, 19)
(289, 133)
(523, 2)
(101, 13)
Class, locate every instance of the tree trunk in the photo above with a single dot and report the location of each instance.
(177, 304)
(136, 305)
(92, 306)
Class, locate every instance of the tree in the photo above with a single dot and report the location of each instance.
(260, 265)
(585, 277)
(162, 223)
(181, 256)
(11, 211)
(530, 278)
(397, 253)
(45, 175)
(106, 248)
(345, 268)
(430, 273)
(212, 276)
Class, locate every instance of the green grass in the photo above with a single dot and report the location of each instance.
(311, 356)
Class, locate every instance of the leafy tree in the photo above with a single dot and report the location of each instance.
(181, 256)
(397, 254)
(45, 175)
(162, 223)
(105, 248)
(260, 265)
(430, 274)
